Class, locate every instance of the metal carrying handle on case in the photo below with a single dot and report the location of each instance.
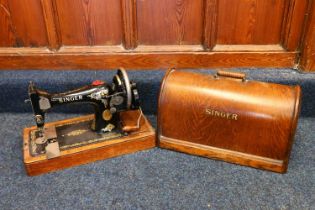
(234, 75)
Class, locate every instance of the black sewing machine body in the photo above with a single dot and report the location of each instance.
(108, 101)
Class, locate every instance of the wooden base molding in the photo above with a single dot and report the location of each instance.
(222, 154)
(136, 141)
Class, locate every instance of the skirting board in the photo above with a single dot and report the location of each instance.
(144, 60)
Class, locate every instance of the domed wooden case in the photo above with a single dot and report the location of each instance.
(227, 117)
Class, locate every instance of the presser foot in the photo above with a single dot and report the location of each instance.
(46, 142)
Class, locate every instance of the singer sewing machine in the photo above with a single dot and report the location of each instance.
(117, 126)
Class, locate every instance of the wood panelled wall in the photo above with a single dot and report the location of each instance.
(308, 48)
(139, 34)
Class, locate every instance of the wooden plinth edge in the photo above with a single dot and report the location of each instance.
(222, 154)
(137, 141)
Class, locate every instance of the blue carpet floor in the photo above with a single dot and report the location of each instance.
(153, 179)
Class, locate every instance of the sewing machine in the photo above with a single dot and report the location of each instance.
(118, 120)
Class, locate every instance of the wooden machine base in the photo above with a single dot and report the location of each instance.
(139, 140)
(254, 161)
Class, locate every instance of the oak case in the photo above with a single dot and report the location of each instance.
(229, 118)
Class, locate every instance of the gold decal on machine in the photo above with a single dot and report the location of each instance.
(226, 115)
